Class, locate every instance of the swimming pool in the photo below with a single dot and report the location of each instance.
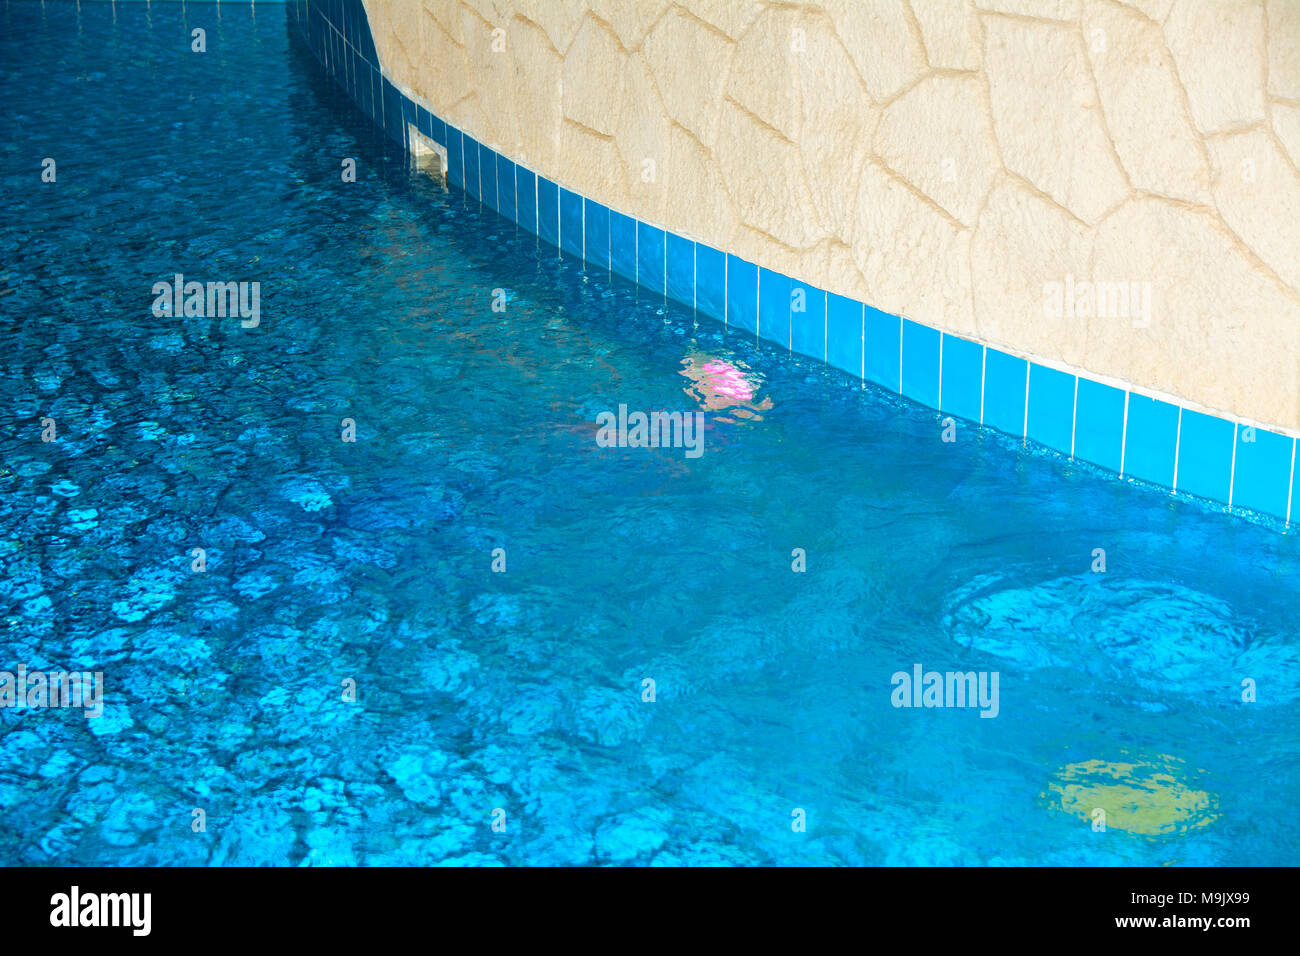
(473, 364)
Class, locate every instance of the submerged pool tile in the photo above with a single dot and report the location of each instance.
(410, 117)
(526, 198)
(844, 334)
(506, 189)
(742, 294)
(710, 282)
(1205, 456)
(571, 222)
(622, 245)
(650, 257)
(1151, 437)
(882, 341)
(774, 307)
(1051, 407)
(681, 270)
(1004, 391)
(393, 123)
(470, 147)
(963, 377)
(808, 320)
(455, 159)
(548, 211)
(596, 226)
(1262, 476)
(487, 171)
(1099, 424)
(920, 368)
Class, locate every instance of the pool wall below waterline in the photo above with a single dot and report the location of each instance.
(1077, 225)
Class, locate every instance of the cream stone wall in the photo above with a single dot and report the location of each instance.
(939, 159)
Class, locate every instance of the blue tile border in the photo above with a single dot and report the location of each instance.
(807, 320)
(651, 258)
(1099, 425)
(1246, 468)
(1150, 440)
(963, 377)
(920, 365)
(1005, 383)
(774, 306)
(742, 294)
(1050, 420)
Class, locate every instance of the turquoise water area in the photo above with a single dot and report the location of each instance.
(371, 561)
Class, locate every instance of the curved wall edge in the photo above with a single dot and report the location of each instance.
(1234, 462)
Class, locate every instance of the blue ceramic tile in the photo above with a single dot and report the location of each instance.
(742, 294)
(596, 226)
(424, 121)
(571, 222)
(409, 117)
(1295, 500)
(920, 363)
(470, 149)
(710, 282)
(1051, 407)
(1205, 456)
(526, 198)
(365, 90)
(487, 171)
(1262, 476)
(1004, 392)
(439, 130)
(1150, 440)
(622, 244)
(548, 211)
(376, 97)
(774, 307)
(807, 320)
(844, 334)
(882, 343)
(455, 160)
(506, 202)
(681, 270)
(963, 377)
(393, 124)
(650, 257)
(1099, 424)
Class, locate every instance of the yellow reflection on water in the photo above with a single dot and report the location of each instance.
(1148, 796)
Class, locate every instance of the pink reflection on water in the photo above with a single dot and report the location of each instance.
(720, 385)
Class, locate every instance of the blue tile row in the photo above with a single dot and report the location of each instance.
(1124, 432)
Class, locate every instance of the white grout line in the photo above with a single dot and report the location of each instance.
(695, 276)
(826, 321)
(1123, 440)
(864, 342)
(900, 355)
(726, 285)
(984, 359)
(1074, 415)
(1028, 366)
(1290, 485)
(940, 371)
(758, 300)
(1232, 475)
(1178, 444)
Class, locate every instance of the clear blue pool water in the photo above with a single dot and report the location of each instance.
(476, 430)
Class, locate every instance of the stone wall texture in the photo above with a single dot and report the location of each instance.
(944, 160)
